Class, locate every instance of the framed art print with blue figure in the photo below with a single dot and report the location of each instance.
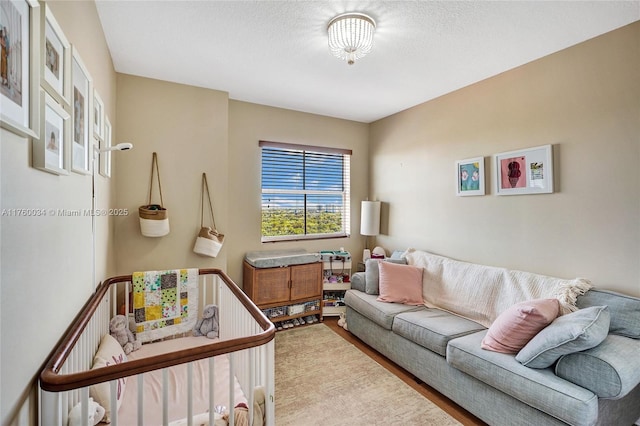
(470, 178)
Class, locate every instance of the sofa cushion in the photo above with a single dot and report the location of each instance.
(577, 331)
(379, 312)
(624, 310)
(518, 324)
(372, 273)
(540, 389)
(277, 258)
(358, 281)
(400, 284)
(433, 328)
(604, 369)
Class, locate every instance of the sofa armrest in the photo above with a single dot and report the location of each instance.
(358, 281)
(610, 370)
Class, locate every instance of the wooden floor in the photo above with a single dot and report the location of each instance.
(453, 409)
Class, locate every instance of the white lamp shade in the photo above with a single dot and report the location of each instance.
(370, 218)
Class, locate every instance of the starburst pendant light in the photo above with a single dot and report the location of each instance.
(351, 36)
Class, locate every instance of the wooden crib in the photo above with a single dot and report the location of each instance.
(245, 345)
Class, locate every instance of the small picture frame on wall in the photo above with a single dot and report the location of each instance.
(470, 178)
(50, 152)
(56, 59)
(82, 120)
(525, 171)
(98, 116)
(105, 143)
(20, 67)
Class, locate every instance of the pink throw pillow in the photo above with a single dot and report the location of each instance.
(400, 283)
(513, 328)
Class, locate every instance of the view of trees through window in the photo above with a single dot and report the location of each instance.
(304, 193)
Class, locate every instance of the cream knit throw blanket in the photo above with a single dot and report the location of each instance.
(481, 293)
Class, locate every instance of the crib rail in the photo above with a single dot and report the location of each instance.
(241, 336)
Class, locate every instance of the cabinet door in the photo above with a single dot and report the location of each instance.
(272, 286)
(306, 280)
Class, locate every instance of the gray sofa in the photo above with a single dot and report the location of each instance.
(599, 386)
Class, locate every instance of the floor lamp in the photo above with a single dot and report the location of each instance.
(369, 224)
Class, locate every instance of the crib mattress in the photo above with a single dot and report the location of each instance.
(277, 258)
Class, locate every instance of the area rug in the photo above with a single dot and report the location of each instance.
(321, 379)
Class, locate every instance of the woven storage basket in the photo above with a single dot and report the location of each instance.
(154, 218)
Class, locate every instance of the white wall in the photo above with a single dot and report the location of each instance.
(585, 101)
(46, 273)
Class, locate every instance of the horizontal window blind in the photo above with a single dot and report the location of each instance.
(305, 192)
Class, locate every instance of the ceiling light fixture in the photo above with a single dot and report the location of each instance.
(351, 36)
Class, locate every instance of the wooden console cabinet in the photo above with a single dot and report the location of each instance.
(284, 286)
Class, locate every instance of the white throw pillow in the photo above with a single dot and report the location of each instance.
(109, 353)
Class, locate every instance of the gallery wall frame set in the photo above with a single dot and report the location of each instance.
(519, 172)
(46, 92)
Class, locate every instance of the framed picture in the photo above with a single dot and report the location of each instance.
(470, 177)
(50, 151)
(81, 116)
(526, 171)
(20, 67)
(98, 116)
(105, 157)
(56, 59)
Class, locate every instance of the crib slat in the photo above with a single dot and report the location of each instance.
(232, 402)
(211, 387)
(165, 397)
(84, 398)
(140, 399)
(252, 383)
(113, 387)
(190, 394)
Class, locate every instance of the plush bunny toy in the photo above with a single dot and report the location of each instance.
(208, 324)
(96, 413)
(342, 322)
(118, 328)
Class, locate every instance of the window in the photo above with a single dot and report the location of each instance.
(305, 192)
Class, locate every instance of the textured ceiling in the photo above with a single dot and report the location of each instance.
(275, 52)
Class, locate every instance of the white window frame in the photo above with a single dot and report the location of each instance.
(345, 193)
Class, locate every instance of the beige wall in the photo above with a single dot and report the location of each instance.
(586, 102)
(47, 261)
(249, 123)
(187, 127)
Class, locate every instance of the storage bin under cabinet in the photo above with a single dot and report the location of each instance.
(285, 292)
(336, 280)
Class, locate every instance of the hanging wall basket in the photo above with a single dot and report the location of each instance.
(154, 218)
(209, 240)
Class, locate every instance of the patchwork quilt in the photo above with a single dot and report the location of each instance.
(165, 303)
